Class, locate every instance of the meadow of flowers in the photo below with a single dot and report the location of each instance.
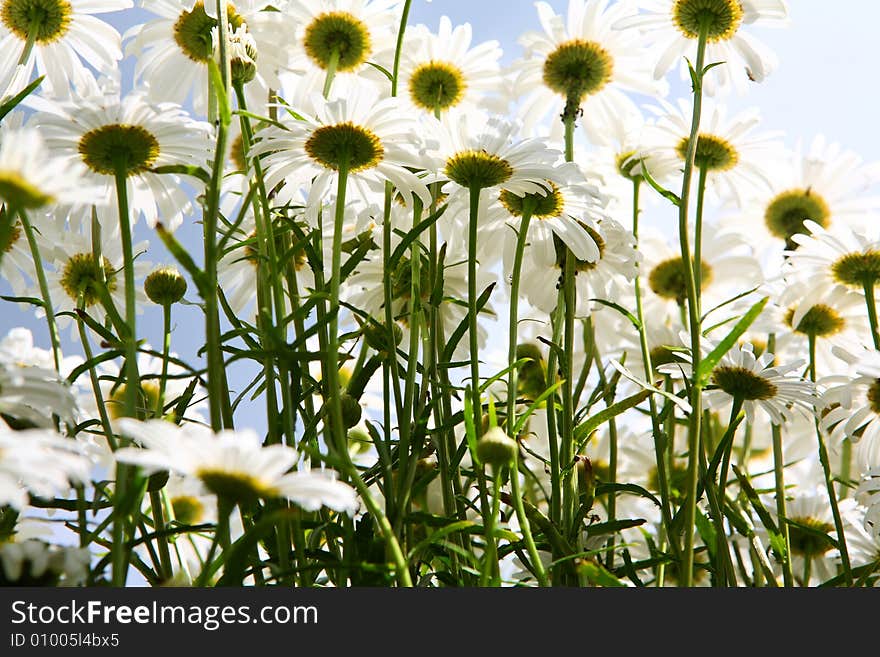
(419, 275)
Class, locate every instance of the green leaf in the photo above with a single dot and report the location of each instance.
(597, 575)
(681, 403)
(521, 421)
(623, 311)
(462, 328)
(582, 431)
(411, 236)
(711, 360)
(15, 101)
(184, 258)
(470, 429)
(441, 533)
(382, 70)
(665, 193)
(634, 489)
(613, 526)
(185, 170)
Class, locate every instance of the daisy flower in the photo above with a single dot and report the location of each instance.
(234, 465)
(839, 256)
(173, 50)
(38, 462)
(600, 279)
(474, 151)
(852, 403)
(343, 35)
(371, 138)
(33, 562)
(30, 395)
(56, 36)
(728, 268)
(674, 26)
(811, 534)
(78, 272)
(130, 136)
(758, 383)
(441, 71)
(737, 161)
(583, 59)
(868, 493)
(823, 183)
(30, 178)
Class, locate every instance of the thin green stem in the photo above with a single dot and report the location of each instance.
(335, 433)
(871, 304)
(44, 287)
(166, 351)
(331, 72)
(513, 320)
(524, 525)
(398, 49)
(781, 515)
(829, 480)
(489, 573)
(693, 292)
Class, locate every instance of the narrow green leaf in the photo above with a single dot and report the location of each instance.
(711, 360)
(15, 101)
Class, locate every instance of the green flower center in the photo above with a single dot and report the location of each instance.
(785, 215)
(19, 193)
(340, 35)
(234, 487)
(10, 237)
(743, 384)
(806, 543)
(668, 279)
(713, 153)
(874, 396)
(188, 510)
(345, 144)
(436, 86)
(48, 20)
(820, 321)
(580, 266)
(857, 269)
(478, 169)
(720, 18)
(662, 355)
(578, 69)
(148, 398)
(543, 206)
(82, 276)
(129, 148)
(192, 31)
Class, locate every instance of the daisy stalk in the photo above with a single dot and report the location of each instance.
(41, 281)
(660, 440)
(779, 482)
(829, 480)
(693, 295)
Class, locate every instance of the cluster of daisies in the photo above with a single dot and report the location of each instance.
(439, 283)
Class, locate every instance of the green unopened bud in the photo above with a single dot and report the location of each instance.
(351, 410)
(359, 441)
(496, 448)
(377, 336)
(242, 50)
(165, 286)
(532, 375)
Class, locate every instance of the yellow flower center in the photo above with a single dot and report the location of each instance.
(578, 68)
(713, 153)
(82, 276)
(719, 18)
(436, 86)
(786, 213)
(345, 145)
(131, 149)
(19, 193)
(478, 169)
(46, 20)
(192, 31)
(338, 35)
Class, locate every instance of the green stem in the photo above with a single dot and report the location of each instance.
(33, 31)
(335, 433)
(473, 226)
(398, 50)
(829, 480)
(872, 312)
(693, 293)
(489, 572)
(779, 479)
(331, 72)
(166, 350)
(513, 320)
(659, 438)
(44, 287)
(525, 527)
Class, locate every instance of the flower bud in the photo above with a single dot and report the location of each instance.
(242, 51)
(496, 448)
(351, 410)
(165, 286)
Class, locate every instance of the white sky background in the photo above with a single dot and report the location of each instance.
(827, 83)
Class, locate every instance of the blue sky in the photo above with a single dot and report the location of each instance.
(827, 83)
